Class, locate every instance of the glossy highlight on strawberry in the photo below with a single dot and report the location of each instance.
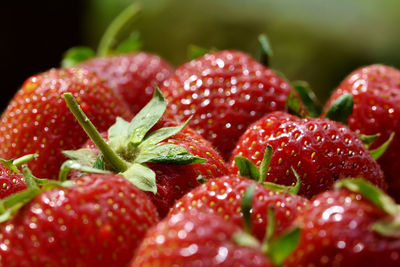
(225, 92)
(132, 75)
(99, 221)
(38, 121)
(376, 93)
(223, 197)
(321, 151)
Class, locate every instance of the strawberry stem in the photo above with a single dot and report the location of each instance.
(109, 38)
(109, 155)
(24, 159)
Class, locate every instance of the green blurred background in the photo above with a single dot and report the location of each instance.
(319, 41)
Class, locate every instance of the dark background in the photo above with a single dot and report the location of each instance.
(313, 40)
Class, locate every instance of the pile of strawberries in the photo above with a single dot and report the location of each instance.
(220, 162)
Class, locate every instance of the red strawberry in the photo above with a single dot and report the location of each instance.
(132, 75)
(321, 151)
(194, 238)
(223, 196)
(345, 228)
(99, 221)
(157, 156)
(376, 93)
(38, 121)
(225, 92)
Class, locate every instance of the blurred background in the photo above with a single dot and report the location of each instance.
(313, 40)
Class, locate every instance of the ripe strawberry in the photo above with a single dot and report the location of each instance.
(99, 221)
(132, 75)
(195, 238)
(225, 92)
(156, 154)
(321, 151)
(38, 121)
(348, 227)
(376, 93)
(223, 196)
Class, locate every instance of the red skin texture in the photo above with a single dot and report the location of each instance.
(376, 93)
(225, 92)
(321, 151)
(223, 197)
(336, 231)
(37, 120)
(195, 239)
(98, 222)
(173, 181)
(10, 182)
(131, 75)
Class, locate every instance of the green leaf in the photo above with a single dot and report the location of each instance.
(309, 99)
(69, 165)
(296, 188)
(99, 163)
(270, 232)
(341, 109)
(264, 166)
(142, 177)
(31, 180)
(246, 240)
(131, 44)
(169, 154)
(247, 168)
(118, 135)
(378, 152)
(389, 228)
(147, 118)
(370, 192)
(76, 55)
(161, 134)
(293, 104)
(265, 50)
(11, 204)
(368, 140)
(195, 51)
(280, 248)
(9, 165)
(83, 156)
(246, 207)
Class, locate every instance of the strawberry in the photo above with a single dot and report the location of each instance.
(153, 152)
(38, 121)
(195, 238)
(99, 220)
(376, 93)
(223, 196)
(132, 75)
(354, 225)
(225, 92)
(321, 151)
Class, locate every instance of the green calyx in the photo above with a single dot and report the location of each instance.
(113, 42)
(276, 248)
(341, 109)
(308, 97)
(13, 164)
(130, 145)
(250, 170)
(265, 50)
(379, 151)
(389, 226)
